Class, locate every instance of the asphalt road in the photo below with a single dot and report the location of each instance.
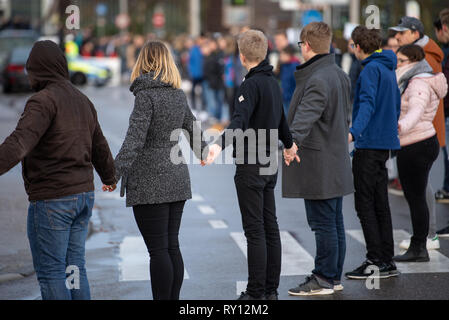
(211, 235)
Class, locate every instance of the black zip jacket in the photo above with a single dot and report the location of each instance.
(258, 105)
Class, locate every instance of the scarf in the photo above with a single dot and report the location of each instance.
(406, 73)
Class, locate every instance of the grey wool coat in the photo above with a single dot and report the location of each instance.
(148, 174)
(318, 119)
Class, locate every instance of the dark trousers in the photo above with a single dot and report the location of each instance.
(257, 205)
(325, 218)
(159, 225)
(371, 203)
(195, 106)
(414, 164)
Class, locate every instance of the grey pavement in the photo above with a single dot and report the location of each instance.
(210, 235)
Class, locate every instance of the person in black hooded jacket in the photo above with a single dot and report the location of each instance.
(59, 140)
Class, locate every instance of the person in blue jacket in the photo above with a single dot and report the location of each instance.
(195, 67)
(289, 62)
(376, 110)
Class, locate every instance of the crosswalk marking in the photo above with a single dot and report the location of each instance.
(197, 197)
(295, 259)
(438, 262)
(206, 210)
(218, 224)
(241, 287)
(134, 264)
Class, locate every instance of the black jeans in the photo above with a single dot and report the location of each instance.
(414, 164)
(371, 203)
(159, 225)
(257, 206)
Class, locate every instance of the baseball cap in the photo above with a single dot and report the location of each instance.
(409, 23)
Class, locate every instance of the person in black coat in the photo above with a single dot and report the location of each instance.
(213, 78)
(258, 108)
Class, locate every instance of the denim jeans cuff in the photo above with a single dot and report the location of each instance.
(324, 282)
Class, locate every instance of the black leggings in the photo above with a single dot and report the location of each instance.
(159, 225)
(414, 164)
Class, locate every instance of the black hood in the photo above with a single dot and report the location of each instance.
(46, 64)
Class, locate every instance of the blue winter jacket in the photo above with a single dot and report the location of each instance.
(195, 63)
(288, 82)
(377, 104)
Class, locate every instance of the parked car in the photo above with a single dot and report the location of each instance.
(14, 73)
(10, 39)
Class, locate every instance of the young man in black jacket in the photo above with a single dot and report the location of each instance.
(258, 116)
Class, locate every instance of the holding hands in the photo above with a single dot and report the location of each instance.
(214, 152)
(109, 188)
(290, 155)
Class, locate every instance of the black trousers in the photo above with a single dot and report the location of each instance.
(159, 225)
(195, 106)
(371, 202)
(414, 164)
(257, 205)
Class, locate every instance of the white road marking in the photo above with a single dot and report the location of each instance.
(218, 224)
(241, 287)
(295, 259)
(438, 262)
(197, 197)
(206, 210)
(134, 264)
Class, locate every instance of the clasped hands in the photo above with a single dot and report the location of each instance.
(291, 154)
(215, 150)
(110, 188)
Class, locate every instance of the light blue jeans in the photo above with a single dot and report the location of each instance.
(57, 232)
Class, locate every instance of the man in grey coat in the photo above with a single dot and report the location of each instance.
(319, 119)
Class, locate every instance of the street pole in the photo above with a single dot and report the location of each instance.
(195, 18)
(354, 11)
(123, 9)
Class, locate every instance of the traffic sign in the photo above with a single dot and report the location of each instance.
(122, 21)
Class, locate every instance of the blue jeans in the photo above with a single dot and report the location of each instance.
(215, 100)
(57, 232)
(325, 218)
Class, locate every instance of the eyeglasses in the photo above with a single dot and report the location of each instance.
(300, 43)
(402, 60)
(352, 45)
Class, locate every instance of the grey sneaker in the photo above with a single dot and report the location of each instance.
(311, 287)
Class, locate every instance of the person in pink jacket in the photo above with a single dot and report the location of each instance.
(421, 91)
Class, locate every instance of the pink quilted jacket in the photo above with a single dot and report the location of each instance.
(419, 104)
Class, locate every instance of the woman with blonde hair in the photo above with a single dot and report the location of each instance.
(156, 185)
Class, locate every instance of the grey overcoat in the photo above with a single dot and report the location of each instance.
(318, 118)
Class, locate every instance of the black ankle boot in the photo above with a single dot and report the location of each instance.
(417, 252)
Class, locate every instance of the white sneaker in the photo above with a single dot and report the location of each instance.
(432, 244)
(338, 287)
